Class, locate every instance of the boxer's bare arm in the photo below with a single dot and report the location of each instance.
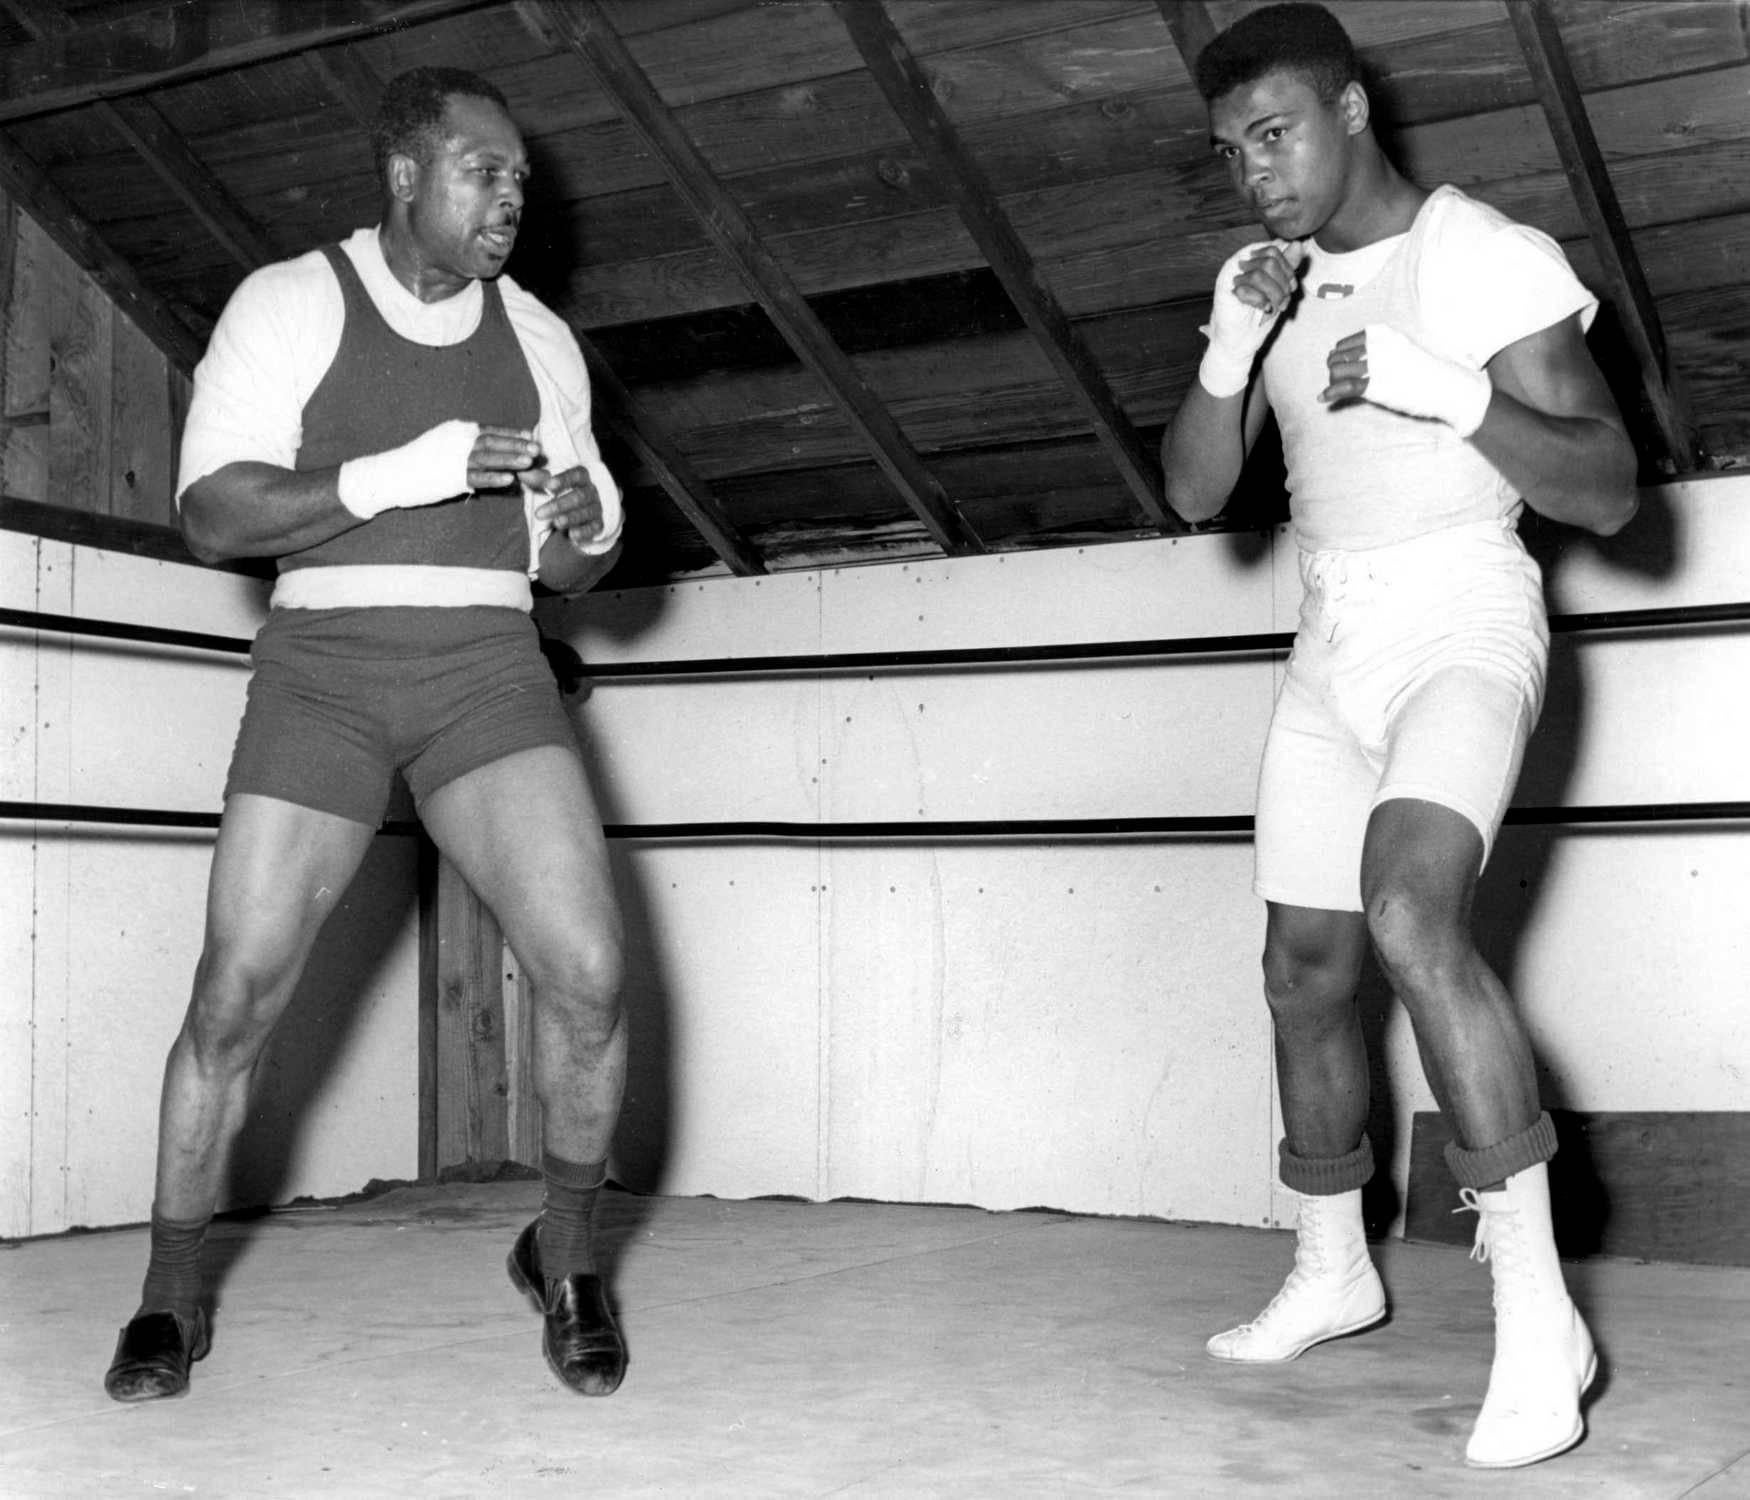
(249, 509)
(1554, 432)
(1205, 446)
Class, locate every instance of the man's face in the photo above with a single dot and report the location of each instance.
(466, 202)
(1286, 150)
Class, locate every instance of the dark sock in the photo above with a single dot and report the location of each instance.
(173, 1274)
(564, 1236)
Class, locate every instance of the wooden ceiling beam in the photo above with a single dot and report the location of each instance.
(1546, 56)
(29, 185)
(908, 90)
(162, 148)
(1192, 26)
(689, 491)
(349, 79)
(172, 43)
(581, 27)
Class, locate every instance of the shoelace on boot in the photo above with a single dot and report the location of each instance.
(1311, 1260)
(1497, 1241)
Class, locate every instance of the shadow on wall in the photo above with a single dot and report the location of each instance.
(345, 967)
(1649, 547)
(641, 1143)
(1510, 888)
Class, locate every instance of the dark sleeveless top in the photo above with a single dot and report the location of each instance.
(383, 390)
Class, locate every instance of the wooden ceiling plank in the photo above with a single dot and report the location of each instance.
(162, 148)
(850, 165)
(139, 122)
(1547, 58)
(29, 185)
(1192, 26)
(349, 79)
(580, 26)
(623, 413)
(174, 42)
(907, 88)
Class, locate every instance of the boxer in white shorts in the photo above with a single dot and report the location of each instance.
(1425, 360)
(1417, 672)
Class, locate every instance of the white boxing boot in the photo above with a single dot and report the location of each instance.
(1332, 1290)
(1544, 1358)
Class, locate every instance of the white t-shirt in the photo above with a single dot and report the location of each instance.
(1464, 282)
(276, 339)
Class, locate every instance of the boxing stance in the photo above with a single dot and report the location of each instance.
(407, 431)
(1425, 362)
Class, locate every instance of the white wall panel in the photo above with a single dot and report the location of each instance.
(1642, 718)
(1144, 590)
(1084, 741)
(100, 927)
(1008, 1024)
(666, 751)
(1077, 1024)
(1019, 1025)
(1689, 542)
(723, 997)
(713, 618)
(965, 1058)
(1634, 970)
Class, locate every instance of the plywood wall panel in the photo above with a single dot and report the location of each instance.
(100, 928)
(82, 354)
(999, 1020)
(142, 440)
(1035, 1026)
(24, 439)
(86, 399)
(723, 1088)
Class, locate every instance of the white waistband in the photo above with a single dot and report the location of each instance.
(360, 585)
(1441, 540)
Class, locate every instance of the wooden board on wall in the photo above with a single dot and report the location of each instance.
(1667, 1185)
(24, 359)
(91, 411)
(141, 445)
(81, 387)
(478, 1110)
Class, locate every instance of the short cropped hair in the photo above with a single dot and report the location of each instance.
(410, 116)
(1296, 38)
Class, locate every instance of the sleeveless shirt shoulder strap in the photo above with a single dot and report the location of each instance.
(492, 306)
(352, 287)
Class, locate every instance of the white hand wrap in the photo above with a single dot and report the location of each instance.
(433, 467)
(1405, 377)
(1236, 331)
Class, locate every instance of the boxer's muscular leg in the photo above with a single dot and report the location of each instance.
(278, 870)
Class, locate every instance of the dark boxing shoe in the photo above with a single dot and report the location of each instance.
(578, 1335)
(153, 1354)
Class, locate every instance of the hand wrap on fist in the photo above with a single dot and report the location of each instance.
(433, 467)
(1251, 290)
(1405, 377)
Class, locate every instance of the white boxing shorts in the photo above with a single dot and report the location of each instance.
(1418, 671)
